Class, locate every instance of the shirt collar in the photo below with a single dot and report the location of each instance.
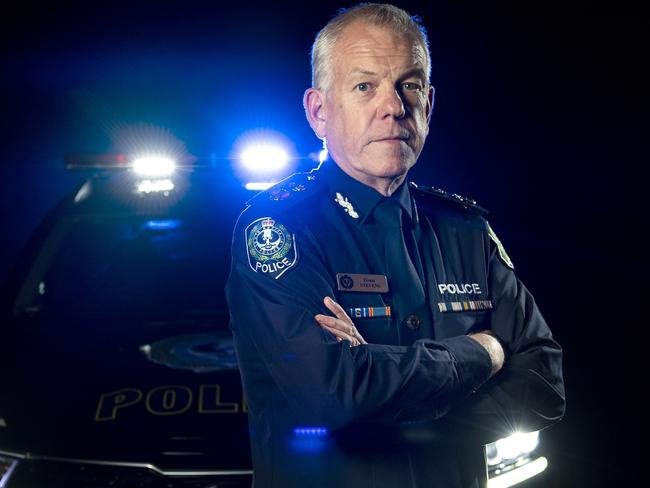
(358, 198)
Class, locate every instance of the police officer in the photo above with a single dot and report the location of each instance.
(381, 332)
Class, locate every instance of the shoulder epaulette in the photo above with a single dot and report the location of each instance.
(291, 189)
(466, 203)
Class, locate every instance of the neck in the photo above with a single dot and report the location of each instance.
(385, 186)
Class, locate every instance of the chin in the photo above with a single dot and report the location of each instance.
(391, 168)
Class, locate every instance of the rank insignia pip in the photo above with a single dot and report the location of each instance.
(502, 251)
(271, 247)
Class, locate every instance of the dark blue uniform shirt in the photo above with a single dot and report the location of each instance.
(414, 406)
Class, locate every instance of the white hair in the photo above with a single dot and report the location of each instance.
(376, 14)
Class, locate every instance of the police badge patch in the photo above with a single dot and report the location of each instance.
(271, 247)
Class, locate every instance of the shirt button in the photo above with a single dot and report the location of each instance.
(412, 322)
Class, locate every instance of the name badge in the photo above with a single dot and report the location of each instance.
(368, 283)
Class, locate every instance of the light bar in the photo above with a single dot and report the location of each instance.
(154, 166)
(519, 474)
(96, 161)
(264, 157)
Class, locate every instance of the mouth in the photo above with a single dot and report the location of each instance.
(400, 137)
(392, 139)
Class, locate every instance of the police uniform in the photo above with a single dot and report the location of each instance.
(414, 406)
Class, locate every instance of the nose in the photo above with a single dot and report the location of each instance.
(391, 104)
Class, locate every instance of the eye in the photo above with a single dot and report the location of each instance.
(362, 87)
(409, 86)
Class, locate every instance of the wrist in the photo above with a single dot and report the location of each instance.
(493, 346)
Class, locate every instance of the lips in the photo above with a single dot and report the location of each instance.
(397, 137)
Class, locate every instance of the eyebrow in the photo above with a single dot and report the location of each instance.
(415, 71)
(362, 71)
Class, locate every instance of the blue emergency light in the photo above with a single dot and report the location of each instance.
(264, 157)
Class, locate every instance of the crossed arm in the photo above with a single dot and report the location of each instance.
(343, 328)
(324, 380)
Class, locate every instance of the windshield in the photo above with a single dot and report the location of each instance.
(162, 268)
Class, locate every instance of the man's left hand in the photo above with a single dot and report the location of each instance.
(341, 325)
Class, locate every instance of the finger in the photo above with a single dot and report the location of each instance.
(357, 335)
(348, 329)
(338, 324)
(340, 335)
(337, 310)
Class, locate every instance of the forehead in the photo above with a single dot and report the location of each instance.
(360, 45)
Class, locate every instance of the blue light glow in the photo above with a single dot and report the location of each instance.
(310, 431)
(162, 224)
(259, 185)
(310, 439)
(266, 157)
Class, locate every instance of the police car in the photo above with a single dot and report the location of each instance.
(117, 364)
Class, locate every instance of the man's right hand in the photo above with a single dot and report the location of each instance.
(488, 340)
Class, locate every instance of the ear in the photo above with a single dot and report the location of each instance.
(314, 103)
(430, 101)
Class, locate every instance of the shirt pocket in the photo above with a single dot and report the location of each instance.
(455, 323)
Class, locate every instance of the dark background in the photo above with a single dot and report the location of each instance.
(540, 116)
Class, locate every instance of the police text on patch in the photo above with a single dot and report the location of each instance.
(460, 288)
(273, 266)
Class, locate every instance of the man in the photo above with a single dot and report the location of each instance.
(371, 317)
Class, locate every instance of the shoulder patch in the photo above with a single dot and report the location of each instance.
(270, 247)
(502, 251)
(450, 197)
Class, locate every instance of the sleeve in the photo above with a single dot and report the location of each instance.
(325, 381)
(528, 393)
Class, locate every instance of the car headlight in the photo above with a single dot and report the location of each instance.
(7, 466)
(512, 447)
(511, 460)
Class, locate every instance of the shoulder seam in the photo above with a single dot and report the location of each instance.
(455, 198)
(295, 184)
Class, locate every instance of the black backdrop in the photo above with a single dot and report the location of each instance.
(540, 116)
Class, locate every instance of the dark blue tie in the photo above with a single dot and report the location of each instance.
(406, 288)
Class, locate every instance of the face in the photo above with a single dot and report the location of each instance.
(375, 114)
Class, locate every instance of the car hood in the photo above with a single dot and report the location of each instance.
(160, 393)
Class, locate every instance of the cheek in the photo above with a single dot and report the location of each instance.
(351, 127)
(421, 123)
